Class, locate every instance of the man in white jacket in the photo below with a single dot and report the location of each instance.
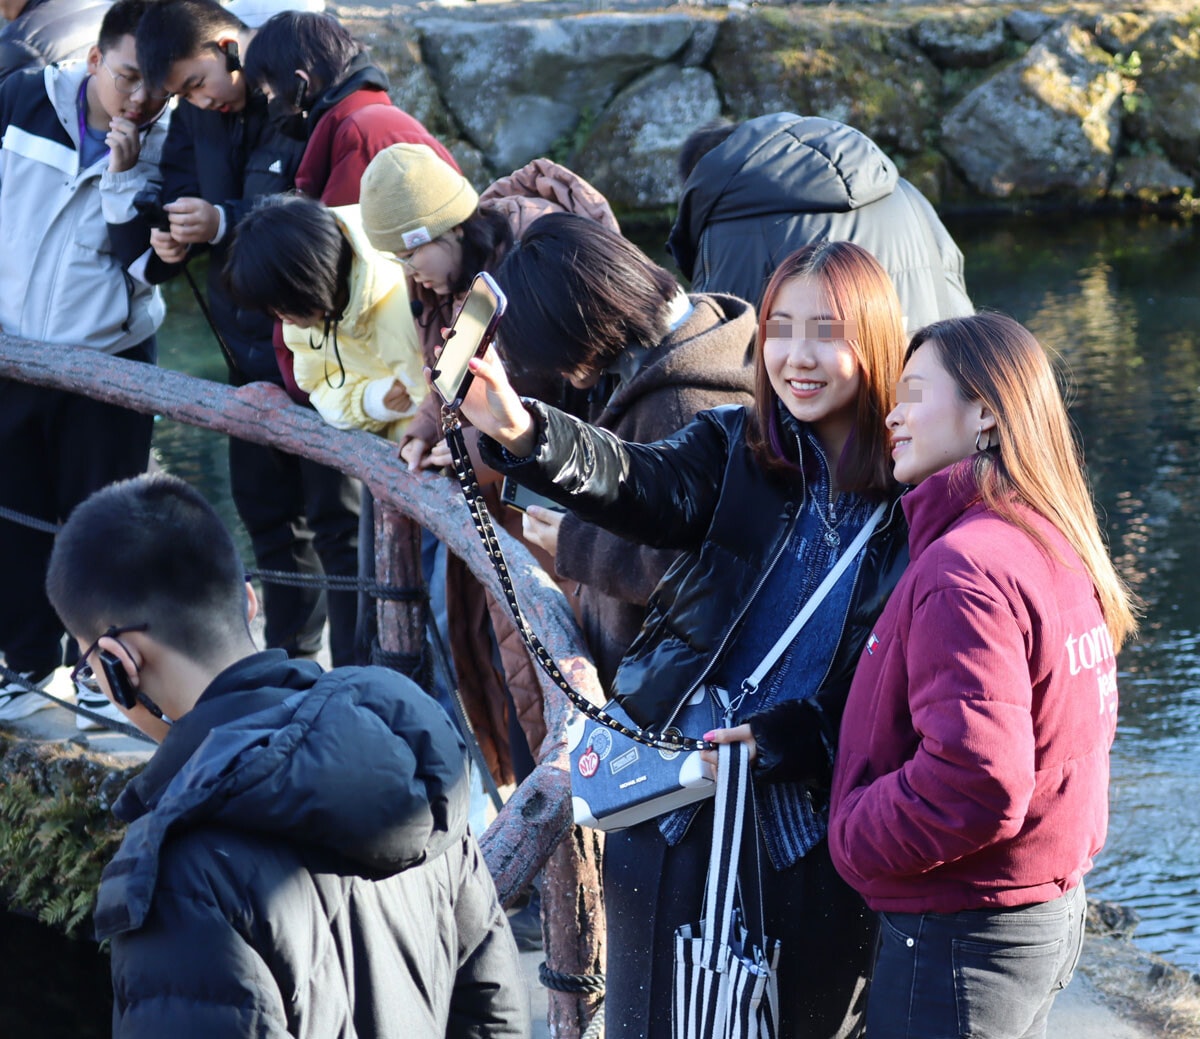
(79, 141)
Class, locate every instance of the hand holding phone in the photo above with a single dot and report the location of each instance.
(473, 330)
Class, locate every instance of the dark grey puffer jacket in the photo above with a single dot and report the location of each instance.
(782, 181)
(48, 31)
(298, 863)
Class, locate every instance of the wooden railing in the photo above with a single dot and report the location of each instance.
(528, 833)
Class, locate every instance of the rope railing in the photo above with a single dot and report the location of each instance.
(528, 833)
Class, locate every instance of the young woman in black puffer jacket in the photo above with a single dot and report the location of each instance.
(762, 501)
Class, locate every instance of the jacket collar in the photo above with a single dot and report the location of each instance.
(268, 676)
(934, 504)
(63, 83)
(361, 75)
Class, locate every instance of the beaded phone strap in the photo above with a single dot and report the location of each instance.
(465, 472)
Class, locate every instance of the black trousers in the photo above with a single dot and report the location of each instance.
(56, 448)
(302, 518)
(650, 889)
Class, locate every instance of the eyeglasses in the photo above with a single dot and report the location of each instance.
(130, 85)
(82, 673)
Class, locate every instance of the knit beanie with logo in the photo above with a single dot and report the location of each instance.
(409, 196)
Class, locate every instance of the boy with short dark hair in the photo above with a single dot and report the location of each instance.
(79, 141)
(297, 861)
(222, 154)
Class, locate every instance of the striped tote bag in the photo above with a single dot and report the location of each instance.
(725, 985)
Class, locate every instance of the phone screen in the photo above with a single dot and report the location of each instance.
(473, 330)
(520, 498)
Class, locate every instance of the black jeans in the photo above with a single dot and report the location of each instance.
(983, 972)
(650, 888)
(56, 448)
(302, 518)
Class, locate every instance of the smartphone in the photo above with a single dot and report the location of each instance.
(471, 333)
(520, 498)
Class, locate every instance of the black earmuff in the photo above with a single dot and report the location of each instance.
(118, 681)
(233, 60)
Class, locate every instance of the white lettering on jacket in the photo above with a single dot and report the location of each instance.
(1093, 651)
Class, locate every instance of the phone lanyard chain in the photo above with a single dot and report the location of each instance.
(465, 472)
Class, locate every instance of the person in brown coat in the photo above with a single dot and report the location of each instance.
(642, 358)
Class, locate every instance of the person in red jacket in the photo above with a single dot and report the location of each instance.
(324, 90)
(970, 791)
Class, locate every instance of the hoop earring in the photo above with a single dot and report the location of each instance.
(978, 437)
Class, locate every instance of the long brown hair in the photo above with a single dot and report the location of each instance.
(858, 290)
(1034, 457)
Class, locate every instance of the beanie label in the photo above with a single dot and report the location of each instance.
(420, 236)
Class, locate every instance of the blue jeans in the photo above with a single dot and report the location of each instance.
(978, 974)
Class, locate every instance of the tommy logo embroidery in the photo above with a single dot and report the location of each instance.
(872, 642)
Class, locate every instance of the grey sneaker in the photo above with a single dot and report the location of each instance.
(17, 702)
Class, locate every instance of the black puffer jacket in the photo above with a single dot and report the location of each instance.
(298, 864)
(702, 491)
(782, 181)
(48, 31)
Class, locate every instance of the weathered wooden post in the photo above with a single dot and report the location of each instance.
(398, 566)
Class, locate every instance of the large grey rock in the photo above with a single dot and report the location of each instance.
(1027, 26)
(630, 155)
(1165, 107)
(866, 74)
(1048, 123)
(519, 87)
(955, 41)
(1148, 177)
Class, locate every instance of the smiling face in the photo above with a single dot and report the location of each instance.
(205, 79)
(811, 366)
(931, 425)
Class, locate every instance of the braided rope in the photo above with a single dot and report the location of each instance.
(574, 984)
(467, 479)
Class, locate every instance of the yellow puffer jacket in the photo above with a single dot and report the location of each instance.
(376, 345)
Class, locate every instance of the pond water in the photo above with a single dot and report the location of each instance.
(1118, 299)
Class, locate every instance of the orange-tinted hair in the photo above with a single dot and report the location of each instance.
(858, 289)
(1034, 457)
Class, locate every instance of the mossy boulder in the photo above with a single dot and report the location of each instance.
(516, 87)
(57, 831)
(1047, 124)
(860, 70)
(632, 151)
(1149, 178)
(1165, 106)
(956, 40)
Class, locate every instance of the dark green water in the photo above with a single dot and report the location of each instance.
(1118, 300)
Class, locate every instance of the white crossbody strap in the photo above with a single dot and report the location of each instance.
(750, 685)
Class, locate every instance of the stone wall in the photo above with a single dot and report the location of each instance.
(978, 103)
